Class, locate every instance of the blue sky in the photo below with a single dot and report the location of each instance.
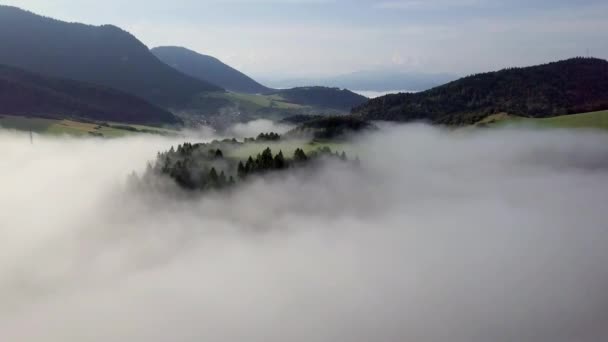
(295, 38)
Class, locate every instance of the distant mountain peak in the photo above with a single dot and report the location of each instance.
(208, 68)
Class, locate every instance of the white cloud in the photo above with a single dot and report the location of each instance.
(442, 236)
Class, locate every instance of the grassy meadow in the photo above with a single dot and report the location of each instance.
(76, 128)
(594, 120)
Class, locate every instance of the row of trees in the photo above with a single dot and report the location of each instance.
(264, 137)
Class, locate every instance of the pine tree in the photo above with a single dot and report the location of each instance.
(279, 161)
(250, 166)
(300, 156)
(241, 171)
(213, 179)
(266, 160)
(219, 154)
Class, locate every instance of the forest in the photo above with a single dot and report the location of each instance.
(211, 166)
(576, 85)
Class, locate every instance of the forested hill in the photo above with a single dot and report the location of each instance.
(26, 93)
(209, 69)
(104, 55)
(323, 97)
(571, 86)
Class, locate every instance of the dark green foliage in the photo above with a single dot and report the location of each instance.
(300, 156)
(27, 93)
(197, 167)
(279, 161)
(268, 137)
(104, 55)
(209, 69)
(332, 127)
(324, 97)
(572, 86)
(265, 161)
(241, 171)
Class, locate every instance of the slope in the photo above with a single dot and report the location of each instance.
(25, 93)
(566, 87)
(104, 55)
(209, 69)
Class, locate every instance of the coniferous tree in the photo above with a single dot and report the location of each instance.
(222, 179)
(241, 171)
(300, 156)
(213, 179)
(219, 154)
(279, 161)
(266, 159)
(250, 166)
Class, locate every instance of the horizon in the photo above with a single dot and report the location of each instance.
(453, 37)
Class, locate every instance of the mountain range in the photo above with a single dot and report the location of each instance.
(371, 80)
(54, 68)
(105, 55)
(571, 86)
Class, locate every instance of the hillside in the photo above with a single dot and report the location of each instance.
(209, 69)
(323, 97)
(571, 86)
(24, 93)
(103, 55)
(331, 128)
(593, 120)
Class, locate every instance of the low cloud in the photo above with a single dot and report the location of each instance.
(253, 128)
(495, 235)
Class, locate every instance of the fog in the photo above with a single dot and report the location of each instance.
(253, 128)
(475, 236)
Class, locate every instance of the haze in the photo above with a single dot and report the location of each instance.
(338, 36)
(495, 235)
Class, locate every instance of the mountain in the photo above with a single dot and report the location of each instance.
(104, 55)
(372, 80)
(209, 69)
(571, 86)
(24, 93)
(322, 97)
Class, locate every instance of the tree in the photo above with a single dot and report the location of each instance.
(300, 156)
(219, 154)
(241, 171)
(266, 159)
(213, 179)
(222, 179)
(250, 166)
(279, 161)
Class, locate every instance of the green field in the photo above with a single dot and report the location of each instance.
(76, 128)
(246, 102)
(593, 120)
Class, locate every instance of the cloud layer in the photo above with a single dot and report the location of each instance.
(440, 236)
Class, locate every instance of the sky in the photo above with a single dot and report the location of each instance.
(312, 38)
